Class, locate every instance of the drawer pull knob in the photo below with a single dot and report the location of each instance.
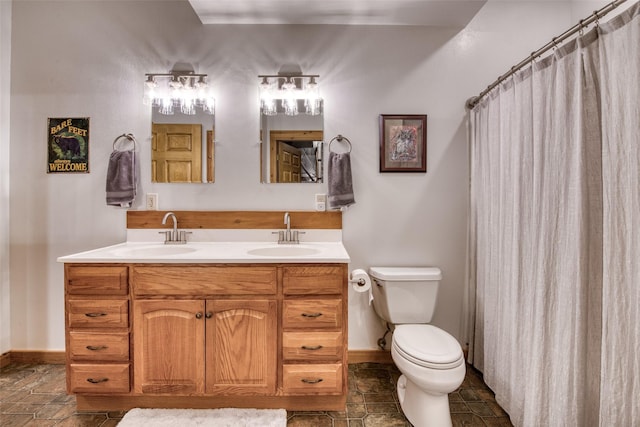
(95, 314)
(311, 347)
(312, 315)
(97, 381)
(198, 315)
(208, 315)
(97, 347)
(307, 381)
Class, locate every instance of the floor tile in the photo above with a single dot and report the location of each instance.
(35, 395)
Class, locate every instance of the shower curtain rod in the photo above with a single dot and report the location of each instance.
(597, 14)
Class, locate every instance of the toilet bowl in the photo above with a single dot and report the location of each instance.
(432, 366)
(430, 360)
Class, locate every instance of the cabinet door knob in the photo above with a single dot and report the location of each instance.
(209, 315)
(97, 381)
(97, 347)
(308, 381)
(311, 347)
(198, 315)
(311, 315)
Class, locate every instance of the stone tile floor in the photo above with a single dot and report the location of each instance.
(34, 395)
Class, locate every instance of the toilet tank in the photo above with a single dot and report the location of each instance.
(405, 294)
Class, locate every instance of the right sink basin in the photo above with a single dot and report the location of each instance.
(284, 251)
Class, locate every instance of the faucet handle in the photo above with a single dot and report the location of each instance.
(167, 235)
(183, 235)
(296, 235)
(280, 235)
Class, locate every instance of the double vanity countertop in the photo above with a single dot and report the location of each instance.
(214, 252)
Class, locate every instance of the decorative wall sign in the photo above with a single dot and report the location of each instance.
(68, 145)
(403, 143)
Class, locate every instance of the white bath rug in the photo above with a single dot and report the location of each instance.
(225, 417)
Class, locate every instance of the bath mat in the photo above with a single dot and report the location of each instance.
(225, 417)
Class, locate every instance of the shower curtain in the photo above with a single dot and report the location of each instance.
(554, 233)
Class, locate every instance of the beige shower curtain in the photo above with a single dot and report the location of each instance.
(554, 249)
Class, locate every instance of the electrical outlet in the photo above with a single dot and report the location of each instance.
(321, 202)
(152, 201)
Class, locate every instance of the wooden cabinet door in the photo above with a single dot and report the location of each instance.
(169, 346)
(241, 346)
(288, 163)
(176, 152)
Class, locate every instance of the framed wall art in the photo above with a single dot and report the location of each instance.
(68, 145)
(403, 143)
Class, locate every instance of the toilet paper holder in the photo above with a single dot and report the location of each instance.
(359, 282)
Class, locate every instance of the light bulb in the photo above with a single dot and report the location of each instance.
(312, 98)
(166, 106)
(149, 92)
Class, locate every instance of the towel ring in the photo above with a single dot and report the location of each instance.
(128, 136)
(340, 138)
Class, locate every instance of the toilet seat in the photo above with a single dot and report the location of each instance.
(427, 346)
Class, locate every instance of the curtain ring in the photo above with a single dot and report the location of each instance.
(595, 14)
(555, 44)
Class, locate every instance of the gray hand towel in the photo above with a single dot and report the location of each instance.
(121, 178)
(340, 185)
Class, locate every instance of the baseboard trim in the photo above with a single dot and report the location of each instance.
(58, 357)
(30, 356)
(369, 356)
(5, 359)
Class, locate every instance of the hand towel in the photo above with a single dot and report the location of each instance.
(340, 185)
(121, 179)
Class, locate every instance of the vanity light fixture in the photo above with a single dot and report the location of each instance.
(184, 91)
(289, 93)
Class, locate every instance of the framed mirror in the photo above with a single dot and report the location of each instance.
(182, 147)
(291, 148)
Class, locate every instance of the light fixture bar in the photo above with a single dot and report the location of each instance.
(281, 93)
(182, 90)
(176, 74)
(288, 75)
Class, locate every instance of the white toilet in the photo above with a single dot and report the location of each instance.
(430, 360)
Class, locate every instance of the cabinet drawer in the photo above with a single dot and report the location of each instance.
(97, 280)
(98, 313)
(90, 378)
(312, 345)
(312, 379)
(99, 346)
(309, 314)
(313, 280)
(204, 280)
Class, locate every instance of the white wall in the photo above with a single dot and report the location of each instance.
(80, 59)
(5, 86)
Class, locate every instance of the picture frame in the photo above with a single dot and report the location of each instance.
(403, 143)
(68, 145)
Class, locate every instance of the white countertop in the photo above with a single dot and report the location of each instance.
(214, 252)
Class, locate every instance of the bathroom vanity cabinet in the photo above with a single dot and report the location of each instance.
(207, 335)
(217, 329)
(97, 329)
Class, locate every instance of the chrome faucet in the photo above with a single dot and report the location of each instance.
(287, 222)
(174, 237)
(288, 236)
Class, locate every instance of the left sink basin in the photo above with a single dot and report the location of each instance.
(153, 251)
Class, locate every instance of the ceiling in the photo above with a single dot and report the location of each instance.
(440, 13)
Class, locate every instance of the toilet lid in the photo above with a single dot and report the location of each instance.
(428, 346)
